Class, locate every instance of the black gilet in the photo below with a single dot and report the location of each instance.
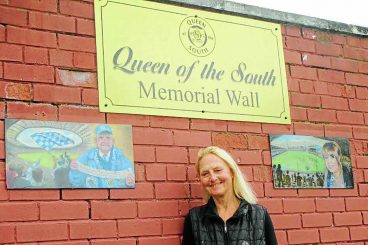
(245, 227)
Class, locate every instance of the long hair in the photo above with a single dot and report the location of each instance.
(333, 147)
(241, 187)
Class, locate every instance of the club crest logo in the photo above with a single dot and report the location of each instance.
(197, 36)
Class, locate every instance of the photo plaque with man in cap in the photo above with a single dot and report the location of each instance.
(46, 154)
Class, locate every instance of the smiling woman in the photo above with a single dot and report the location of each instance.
(230, 215)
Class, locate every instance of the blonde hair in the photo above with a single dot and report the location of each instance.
(241, 187)
(332, 146)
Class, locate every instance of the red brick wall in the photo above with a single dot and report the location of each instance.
(48, 72)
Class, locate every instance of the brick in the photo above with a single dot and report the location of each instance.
(19, 91)
(266, 157)
(51, 22)
(139, 227)
(281, 237)
(135, 120)
(292, 57)
(74, 8)
(307, 100)
(337, 103)
(258, 142)
(347, 218)
(169, 122)
(360, 132)
(42, 5)
(192, 138)
(316, 60)
(365, 217)
(356, 53)
(76, 78)
(311, 34)
(56, 94)
(33, 195)
(362, 162)
(90, 96)
(172, 226)
(11, 52)
(361, 93)
(171, 190)
(65, 243)
(293, 31)
(357, 79)
(157, 209)
(139, 172)
(331, 76)
(84, 194)
(358, 105)
(344, 64)
(309, 129)
(303, 72)
(329, 49)
(29, 232)
(262, 173)
(84, 60)
(76, 43)
(113, 210)
(128, 241)
(144, 153)
(359, 233)
(149, 136)
(317, 220)
(293, 83)
(13, 16)
(65, 59)
(7, 233)
(159, 241)
(315, 115)
(176, 172)
(34, 55)
(62, 210)
(243, 157)
(156, 172)
(321, 87)
(286, 221)
(243, 127)
(277, 128)
(300, 205)
(171, 154)
(86, 27)
(298, 114)
(363, 190)
(348, 117)
(18, 211)
(92, 229)
(2, 33)
(353, 41)
(303, 236)
(141, 191)
(363, 67)
(31, 111)
(300, 44)
(273, 205)
(334, 234)
(270, 191)
(196, 190)
(208, 125)
(32, 73)
(338, 131)
(307, 87)
(331, 204)
(230, 140)
(31, 37)
(73, 113)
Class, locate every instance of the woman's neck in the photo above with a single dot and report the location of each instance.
(226, 206)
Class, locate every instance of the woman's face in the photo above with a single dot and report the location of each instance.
(215, 176)
(331, 161)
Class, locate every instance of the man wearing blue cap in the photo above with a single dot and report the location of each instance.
(103, 166)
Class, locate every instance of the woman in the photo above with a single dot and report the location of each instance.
(230, 216)
(338, 174)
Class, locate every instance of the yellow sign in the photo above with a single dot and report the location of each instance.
(159, 59)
